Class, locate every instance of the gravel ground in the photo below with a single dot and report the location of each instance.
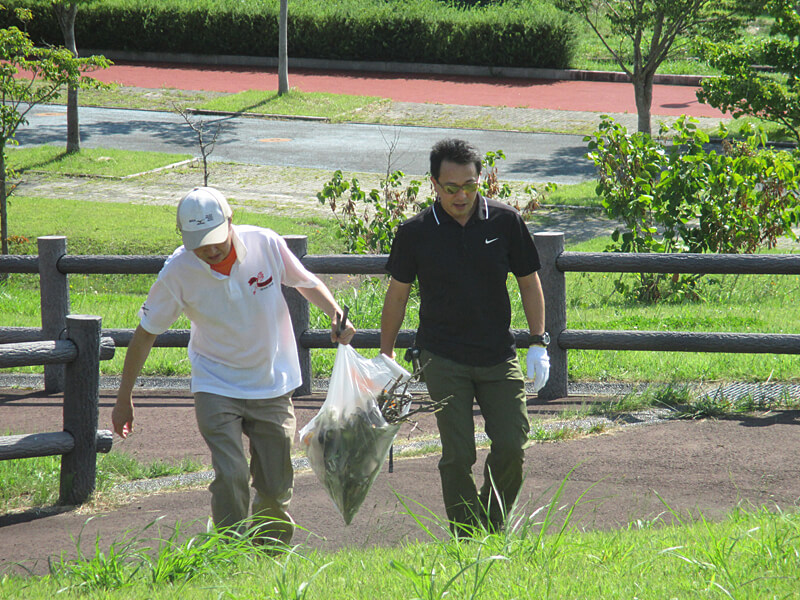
(300, 463)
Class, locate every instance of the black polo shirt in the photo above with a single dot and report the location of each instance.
(465, 313)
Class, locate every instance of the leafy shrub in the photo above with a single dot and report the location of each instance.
(686, 197)
(513, 33)
(368, 220)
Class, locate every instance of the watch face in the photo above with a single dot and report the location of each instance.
(543, 339)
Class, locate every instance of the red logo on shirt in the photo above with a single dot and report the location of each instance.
(259, 282)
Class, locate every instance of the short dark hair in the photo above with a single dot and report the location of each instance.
(453, 150)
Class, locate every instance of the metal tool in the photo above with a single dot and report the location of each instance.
(412, 356)
(342, 320)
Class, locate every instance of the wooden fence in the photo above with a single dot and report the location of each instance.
(54, 265)
(78, 444)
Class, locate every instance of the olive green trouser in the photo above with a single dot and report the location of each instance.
(269, 425)
(499, 391)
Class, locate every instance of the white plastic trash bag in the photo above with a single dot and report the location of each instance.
(349, 439)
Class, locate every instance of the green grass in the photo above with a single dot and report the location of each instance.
(746, 303)
(750, 554)
(312, 104)
(136, 98)
(581, 194)
(32, 482)
(93, 162)
(122, 228)
(741, 127)
(743, 303)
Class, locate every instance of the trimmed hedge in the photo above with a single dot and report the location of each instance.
(515, 33)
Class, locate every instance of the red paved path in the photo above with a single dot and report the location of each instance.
(475, 91)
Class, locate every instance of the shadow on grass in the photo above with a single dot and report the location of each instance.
(43, 164)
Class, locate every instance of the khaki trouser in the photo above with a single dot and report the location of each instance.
(270, 425)
(499, 391)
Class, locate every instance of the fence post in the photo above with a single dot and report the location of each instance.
(550, 245)
(298, 309)
(81, 398)
(54, 298)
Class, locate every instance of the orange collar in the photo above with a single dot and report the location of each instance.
(226, 264)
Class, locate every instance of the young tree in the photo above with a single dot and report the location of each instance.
(650, 32)
(283, 53)
(205, 139)
(31, 75)
(66, 11)
(746, 87)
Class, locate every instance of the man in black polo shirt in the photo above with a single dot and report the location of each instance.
(461, 250)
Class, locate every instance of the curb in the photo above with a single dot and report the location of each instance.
(388, 67)
(225, 113)
(175, 165)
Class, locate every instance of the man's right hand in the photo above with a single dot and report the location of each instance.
(138, 349)
(122, 417)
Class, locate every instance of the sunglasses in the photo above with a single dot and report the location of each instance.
(452, 188)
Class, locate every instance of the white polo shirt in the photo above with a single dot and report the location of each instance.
(242, 344)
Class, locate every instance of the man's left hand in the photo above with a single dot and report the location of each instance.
(538, 366)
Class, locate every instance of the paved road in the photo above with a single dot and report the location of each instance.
(351, 147)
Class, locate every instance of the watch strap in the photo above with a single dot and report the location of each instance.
(539, 340)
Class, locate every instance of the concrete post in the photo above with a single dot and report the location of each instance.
(550, 245)
(299, 311)
(54, 295)
(81, 398)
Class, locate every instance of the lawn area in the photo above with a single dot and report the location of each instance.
(93, 162)
(746, 303)
(295, 103)
(750, 555)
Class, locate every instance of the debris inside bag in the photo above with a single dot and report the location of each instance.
(349, 439)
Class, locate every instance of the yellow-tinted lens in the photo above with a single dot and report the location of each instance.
(467, 187)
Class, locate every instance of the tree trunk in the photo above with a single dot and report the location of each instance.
(283, 55)
(3, 200)
(66, 20)
(643, 91)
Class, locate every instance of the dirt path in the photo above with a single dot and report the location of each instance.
(706, 467)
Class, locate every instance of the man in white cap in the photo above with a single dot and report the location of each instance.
(227, 280)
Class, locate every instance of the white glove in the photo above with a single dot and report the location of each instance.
(538, 366)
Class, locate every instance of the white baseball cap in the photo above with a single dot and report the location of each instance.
(203, 216)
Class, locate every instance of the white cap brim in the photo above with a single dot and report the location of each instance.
(195, 239)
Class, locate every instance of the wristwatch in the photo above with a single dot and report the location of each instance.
(539, 340)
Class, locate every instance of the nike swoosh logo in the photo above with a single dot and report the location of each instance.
(489, 241)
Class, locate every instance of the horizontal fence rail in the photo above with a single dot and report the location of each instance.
(174, 338)
(705, 264)
(58, 352)
(680, 341)
(13, 335)
(111, 265)
(374, 264)
(47, 444)
(19, 264)
(53, 263)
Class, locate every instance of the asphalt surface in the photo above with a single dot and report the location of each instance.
(360, 147)
(311, 144)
